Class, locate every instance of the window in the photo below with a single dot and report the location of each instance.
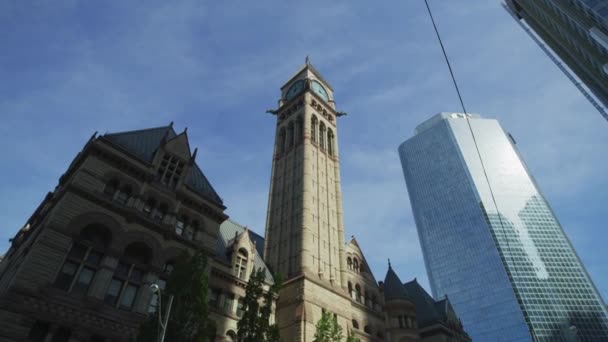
(330, 142)
(355, 324)
(402, 321)
(153, 210)
(349, 263)
(322, 136)
(214, 298)
(186, 228)
(313, 129)
(355, 265)
(128, 277)
(367, 329)
(160, 213)
(118, 193)
(240, 266)
(299, 129)
(358, 293)
(350, 289)
(170, 170)
(281, 141)
(83, 260)
(240, 307)
(153, 307)
(38, 332)
(149, 206)
(290, 135)
(228, 303)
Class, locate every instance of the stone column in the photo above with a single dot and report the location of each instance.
(102, 278)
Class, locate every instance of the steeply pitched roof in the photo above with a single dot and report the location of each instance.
(426, 310)
(393, 288)
(228, 230)
(144, 143)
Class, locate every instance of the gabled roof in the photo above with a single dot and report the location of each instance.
(426, 309)
(393, 288)
(353, 245)
(228, 230)
(445, 309)
(144, 143)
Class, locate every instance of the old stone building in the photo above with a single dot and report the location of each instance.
(130, 203)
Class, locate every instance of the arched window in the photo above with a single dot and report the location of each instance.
(299, 129)
(290, 135)
(355, 265)
(111, 187)
(322, 136)
(83, 260)
(160, 212)
(149, 206)
(231, 335)
(355, 324)
(350, 289)
(358, 293)
(128, 276)
(367, 329)
(123, 195)
(281, 142)
(118, 193)
(349, 263)
(366, 298)
(186, 228)
(330, 142)
(240, 266)
(313, 129)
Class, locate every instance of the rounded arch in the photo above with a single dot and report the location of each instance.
(115, 229)
(330, 142)
(350, 289)
(99, 236)
(355, 264)
(314, 123)
(355, 324)
(156, 259)
(231, 335)
(122, 180)
(322, 135)
(138, 253)
(349, 263)
(358, 293)
(159, 199)
(367, 329)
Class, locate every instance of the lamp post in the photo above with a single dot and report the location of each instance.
(162, 322)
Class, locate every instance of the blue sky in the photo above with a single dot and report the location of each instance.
(70, 68)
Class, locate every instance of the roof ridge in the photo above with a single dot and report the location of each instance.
(140, 130)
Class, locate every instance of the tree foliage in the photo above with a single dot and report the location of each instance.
(254, 325)
(328, 329)
(352, 338)
(188, 284)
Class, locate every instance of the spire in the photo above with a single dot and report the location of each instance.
(389, 264)
(307, 60)
(393, 287)
(171, 124)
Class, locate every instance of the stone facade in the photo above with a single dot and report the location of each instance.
(130, 203)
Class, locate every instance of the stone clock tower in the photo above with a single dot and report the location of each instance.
(304, 228)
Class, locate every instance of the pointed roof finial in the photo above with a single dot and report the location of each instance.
(186, 129)
(389, 263)
(171, 124)
(195, 152)
(307, 60)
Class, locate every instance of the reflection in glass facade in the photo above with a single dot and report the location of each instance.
(490, 241)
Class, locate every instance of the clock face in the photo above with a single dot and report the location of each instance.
(294, 90)
(319, 90)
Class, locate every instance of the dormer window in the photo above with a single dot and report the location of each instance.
(170, 170)
(240, 266)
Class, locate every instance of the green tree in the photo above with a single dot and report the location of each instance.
(254, 325)
(328, 329)
(352, 338)
(188, 322)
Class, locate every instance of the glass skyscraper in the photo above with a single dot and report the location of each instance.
(490, 240)
(576, 31)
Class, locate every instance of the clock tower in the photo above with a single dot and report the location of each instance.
(304, 228)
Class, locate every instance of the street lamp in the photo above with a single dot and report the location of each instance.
(162, 322)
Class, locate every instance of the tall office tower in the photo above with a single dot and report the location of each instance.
(490, 241)
(304, 229)
(577, 32)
